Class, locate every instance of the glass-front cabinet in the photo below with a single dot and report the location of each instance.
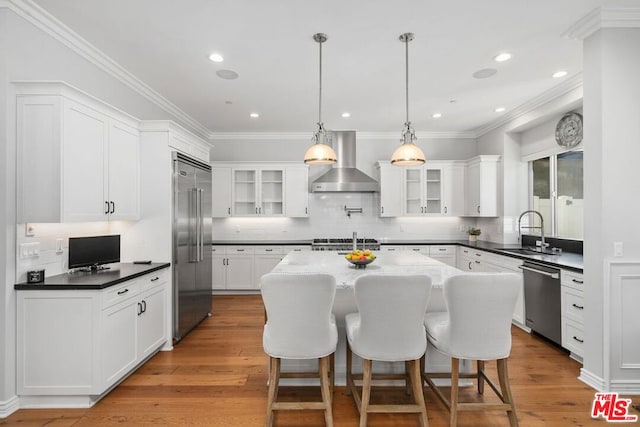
(258, 192)
(423, 191)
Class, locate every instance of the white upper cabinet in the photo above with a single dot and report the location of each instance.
(296, 191)
(481, 188)
(221, 188)
(390, 179)
(453, 188)
(257, 191)
(78, 160)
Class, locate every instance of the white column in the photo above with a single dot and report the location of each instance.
(612, 203)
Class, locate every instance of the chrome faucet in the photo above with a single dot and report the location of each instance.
(541, 228)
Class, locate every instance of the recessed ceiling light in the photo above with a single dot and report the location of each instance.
(484, 73)
(346, 115)
(559, 74)
(254, 115)
(504, 56)
(436, 115)
(216, 57)
(499, 109)
(227, 74)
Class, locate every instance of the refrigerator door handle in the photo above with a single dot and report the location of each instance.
(193, 211)
(201, 226)
(200, 234)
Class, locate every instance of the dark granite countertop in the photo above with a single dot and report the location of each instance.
(260, 242)
(567, 260)
(118, 273)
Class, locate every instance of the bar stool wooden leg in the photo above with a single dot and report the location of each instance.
(366, 392)
(480, 370)
(349, 391)
(274, 378)
(416, 382)
(326, 393)
(503, 377)
(332, 371)
(453, 409)
(407, 377)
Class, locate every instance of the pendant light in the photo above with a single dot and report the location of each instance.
(408, 154)
(320, 153)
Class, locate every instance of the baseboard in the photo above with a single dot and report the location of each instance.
(626, 387)
(10, 406)
(592, 380)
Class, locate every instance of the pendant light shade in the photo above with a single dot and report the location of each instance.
(320, 153)
(408, 154)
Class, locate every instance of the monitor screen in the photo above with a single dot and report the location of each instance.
(93, 251)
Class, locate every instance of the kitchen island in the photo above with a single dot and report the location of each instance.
(345, 273)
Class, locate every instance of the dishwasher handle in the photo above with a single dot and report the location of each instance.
(544, 273)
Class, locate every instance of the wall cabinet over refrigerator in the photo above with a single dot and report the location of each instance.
(78, 159)
(481, 188)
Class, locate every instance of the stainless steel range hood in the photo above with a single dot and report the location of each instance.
(344, 177)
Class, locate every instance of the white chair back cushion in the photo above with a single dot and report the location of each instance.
(391, 317)
(479, 312)
(299, 320)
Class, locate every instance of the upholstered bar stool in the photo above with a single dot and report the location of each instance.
(299, 326)
(476, 326)
(389, 326)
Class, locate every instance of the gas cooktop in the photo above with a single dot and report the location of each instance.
(345, 244)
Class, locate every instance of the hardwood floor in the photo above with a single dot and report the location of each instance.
(217, 376)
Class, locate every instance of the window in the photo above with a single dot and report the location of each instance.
(557, 193)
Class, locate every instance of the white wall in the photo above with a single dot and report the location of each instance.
(28, 53)
(327, 217)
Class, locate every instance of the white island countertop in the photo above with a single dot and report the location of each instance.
(403, 263)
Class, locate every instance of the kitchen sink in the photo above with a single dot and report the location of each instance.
(525, 251)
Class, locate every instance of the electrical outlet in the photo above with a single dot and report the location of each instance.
(30, 250)
(59, 246)
(617, 249)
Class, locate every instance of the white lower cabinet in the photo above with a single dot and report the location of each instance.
(76, 344)
(444, 253)
(572, 312)
(265, 258)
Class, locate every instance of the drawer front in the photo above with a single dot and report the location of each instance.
(288, 249)
(421, 249)
(154, 279)
(390, 248)
(573, 304)
(218, 250)
(239, 250)
(442, 250)
(268, 250)
(573, 337)
(120, 292)
(572, 279)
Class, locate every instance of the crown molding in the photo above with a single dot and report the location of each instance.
(297, 136)
(603, 17)
(43, 20)
(569, 84)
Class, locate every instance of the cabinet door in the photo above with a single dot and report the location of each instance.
(219, 271)
(84, 170)
(123, 184)
(390, 179)
(297, 192)
(221, 192)
(263, 264)
(453, 188)
(245, 192)
(271, 194)
(472, 202)
(433, 203)
(152, 320)
(119, 353)
(240, 272)
(413, 192)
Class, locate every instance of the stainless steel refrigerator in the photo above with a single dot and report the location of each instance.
(191, 243)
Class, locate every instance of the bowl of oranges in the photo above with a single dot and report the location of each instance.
(359, 258)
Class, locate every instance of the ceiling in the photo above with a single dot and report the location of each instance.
(166, 44)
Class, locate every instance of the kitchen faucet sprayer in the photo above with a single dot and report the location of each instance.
(543, 244)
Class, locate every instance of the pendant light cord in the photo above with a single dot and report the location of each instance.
(406, 57)
(320, 86)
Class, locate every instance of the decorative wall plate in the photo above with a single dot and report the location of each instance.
(569, 130)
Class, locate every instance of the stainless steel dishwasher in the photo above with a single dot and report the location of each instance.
(542, 300)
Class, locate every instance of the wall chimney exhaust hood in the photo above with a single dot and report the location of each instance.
(344, 177)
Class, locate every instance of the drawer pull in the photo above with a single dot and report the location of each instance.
(240, 250)
(269, 250)
(577, 281)
(123, 292)
(442, 249)
(477, 262)
(478, 254)
(579, 307)
(578, 339)
(155, 278)
(416, 250)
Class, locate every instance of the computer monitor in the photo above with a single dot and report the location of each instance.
(93, 251)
